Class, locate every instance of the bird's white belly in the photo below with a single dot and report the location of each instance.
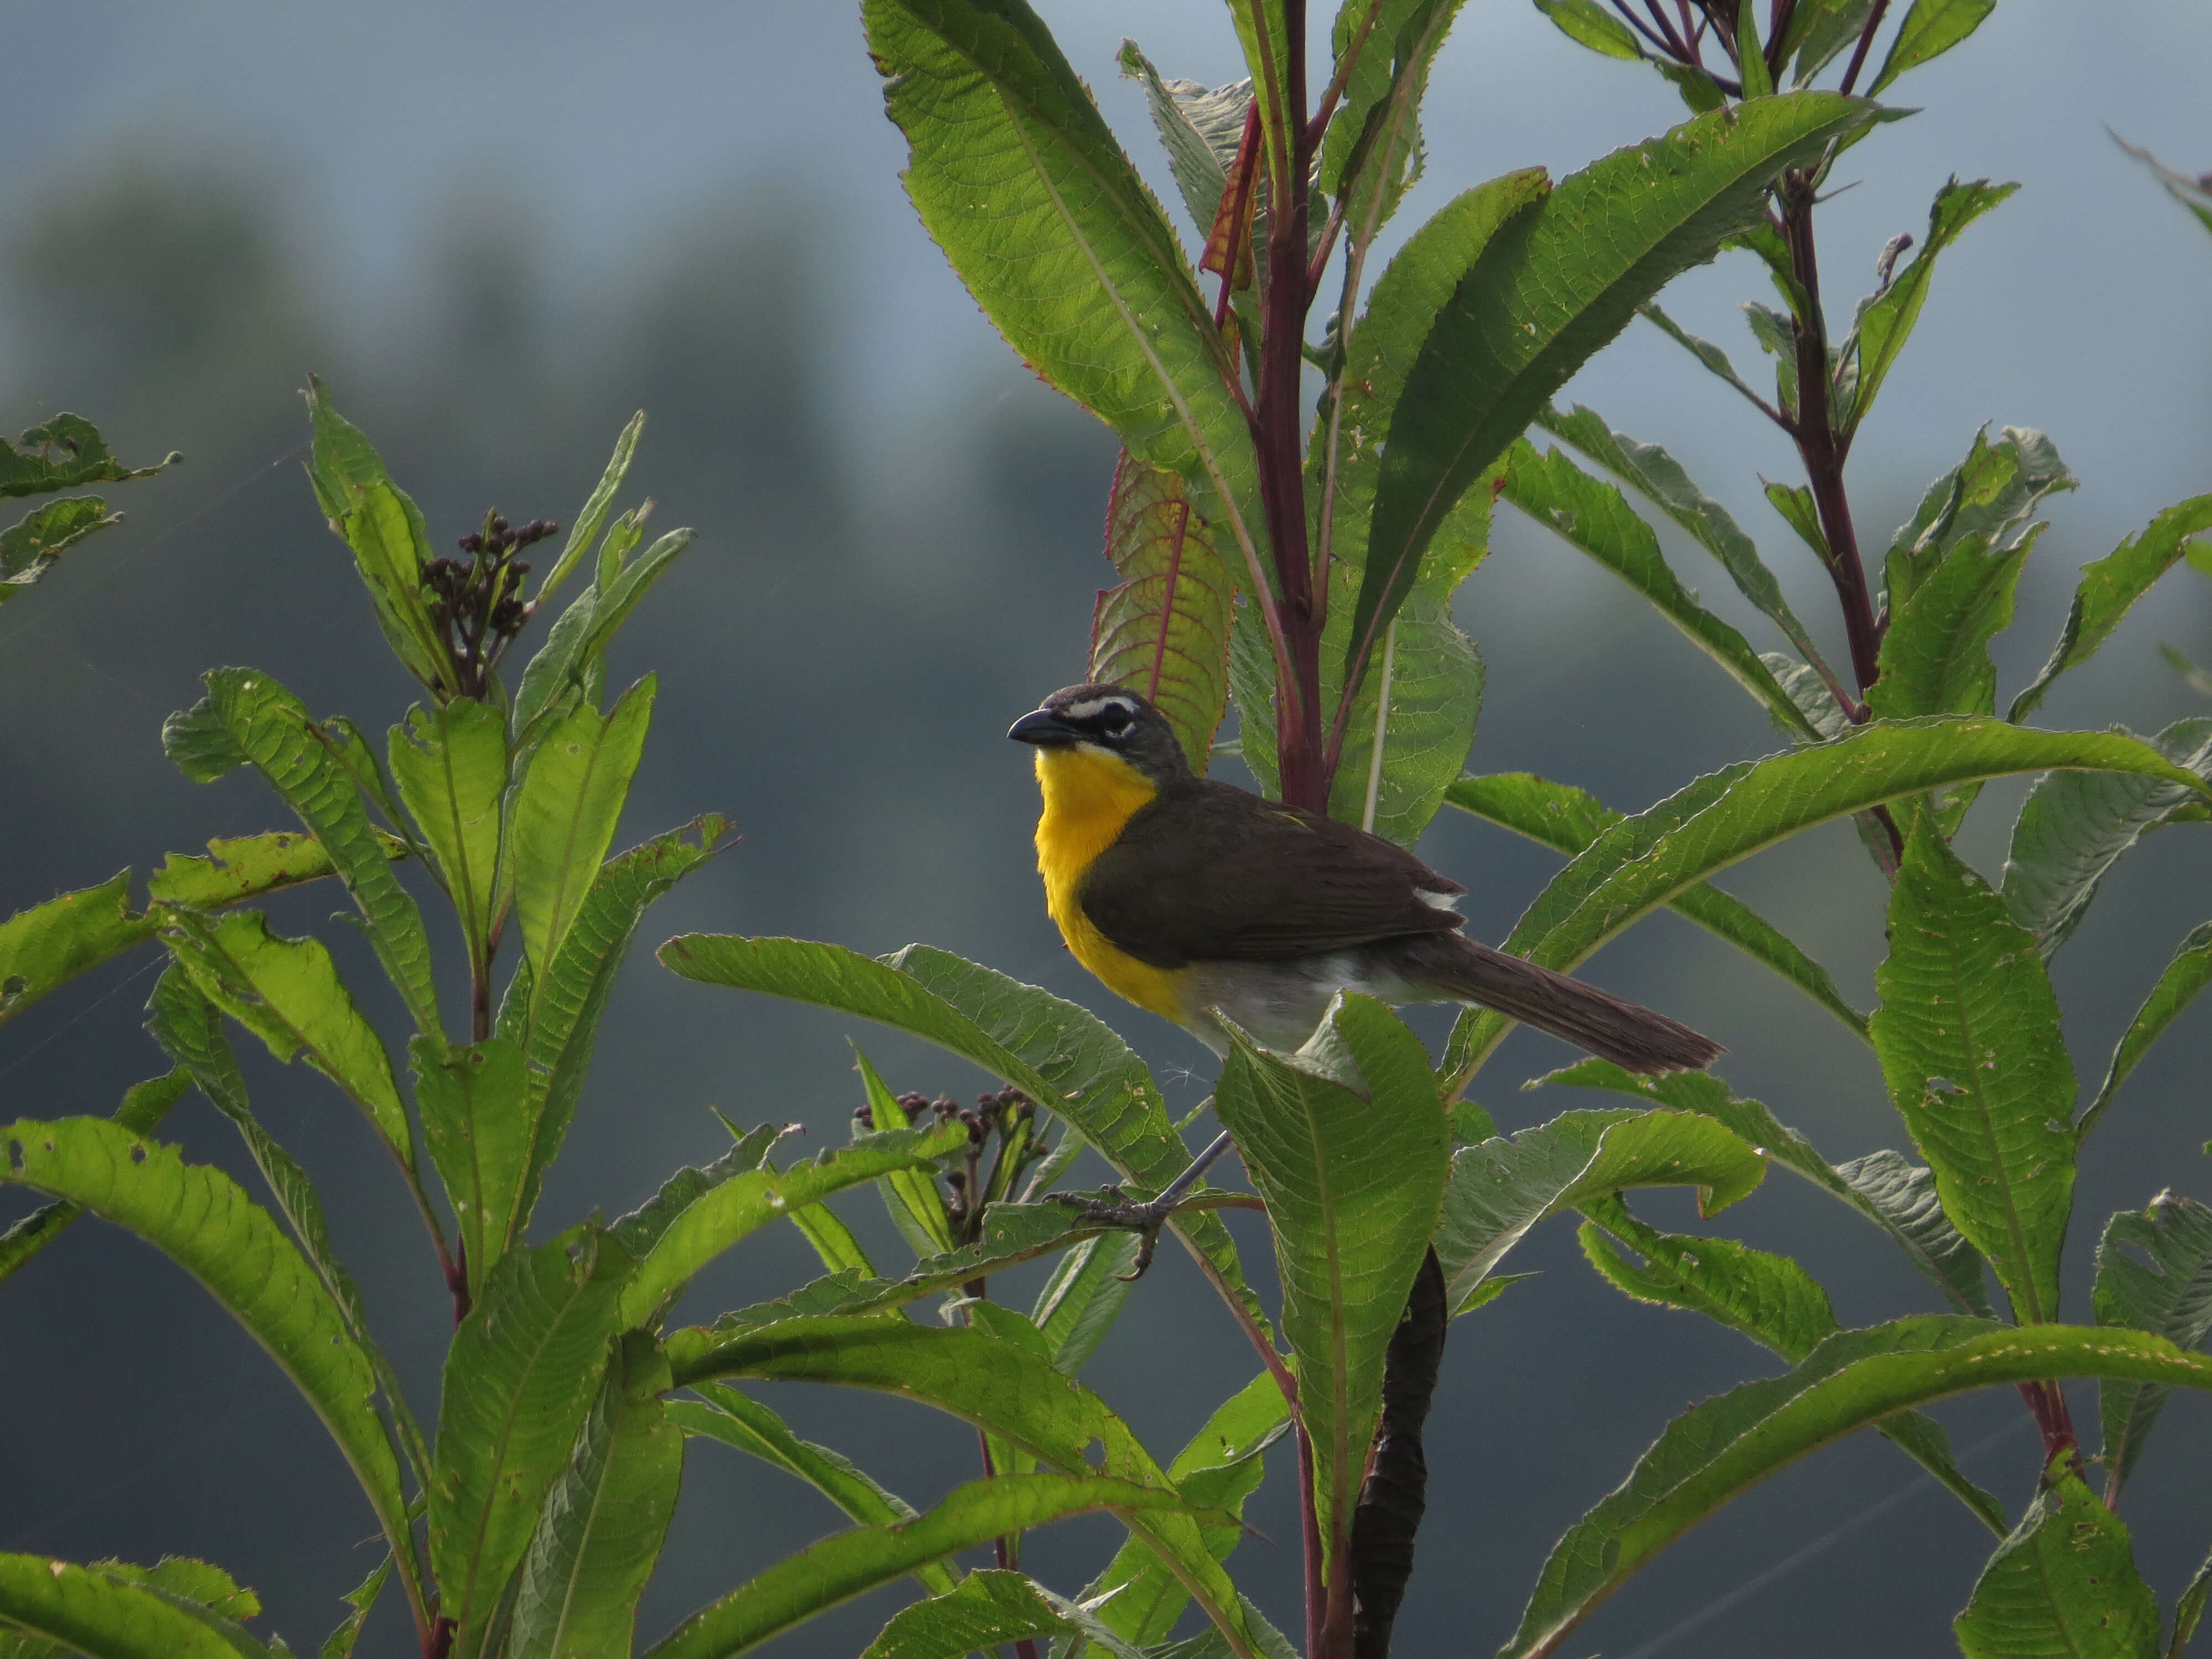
(1280, 1003)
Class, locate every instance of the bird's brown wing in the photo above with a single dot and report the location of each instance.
(1209, 872)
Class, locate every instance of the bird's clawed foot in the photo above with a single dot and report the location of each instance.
(1110, 1206)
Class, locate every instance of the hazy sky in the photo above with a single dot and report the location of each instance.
(2078, 307)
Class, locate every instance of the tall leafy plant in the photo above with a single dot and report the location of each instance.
(1300, 559)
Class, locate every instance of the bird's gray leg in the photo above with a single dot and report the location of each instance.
(1150, 1217)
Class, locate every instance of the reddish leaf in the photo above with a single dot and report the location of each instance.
(1164, 631)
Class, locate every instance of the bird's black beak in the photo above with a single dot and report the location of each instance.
(1043, 726)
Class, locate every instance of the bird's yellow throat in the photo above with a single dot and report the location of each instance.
(1088, 796)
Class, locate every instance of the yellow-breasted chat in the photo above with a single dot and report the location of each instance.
(1191, 897)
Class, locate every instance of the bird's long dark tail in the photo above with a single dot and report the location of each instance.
(1632, 1037)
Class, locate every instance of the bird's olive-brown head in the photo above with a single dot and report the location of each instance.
(1107, 719)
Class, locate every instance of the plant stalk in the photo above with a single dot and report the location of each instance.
(1277, 432)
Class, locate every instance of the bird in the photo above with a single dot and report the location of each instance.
(1203, 901)
(1216, 908)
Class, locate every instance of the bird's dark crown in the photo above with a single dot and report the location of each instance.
(1108, 717)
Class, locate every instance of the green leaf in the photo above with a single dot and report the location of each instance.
(1935, 655)
(594, 514)
(1990, 495)
(1589, 24)
(2153, 1273)
(833, 1241)
(686, 1236)
(2193, 194)
(200, 1219)
(1372, 154)
(1898, 1197)
(1819, 30)
(850, 1564)
(205, 1592)
(2074, 826)
(450, 765)
(339, 1644)
(1659, 479)
(1796, 505)
(1221, 1467)
(1164, 631)
(1769, 1298)
(1407, 732)
(96, 1612)
(189, 1029)
(66, 452)
(1716, 1450)
(1343, 463)
(1750, 55)
(1061, 1056)
(1089, 1286)
(1019, 179)
(1930, 28)
(1002, 1387)
(1644, 861)
(604, 1518)
(266, 725)
(1199, 127)
(1715, 360)
(2063, 1585)
(911, 1198)
(989, 1606)
(739, 1420)
(51, 943)
(572, 661)
(1554, 285)
(556, 1019)
(288, 993)
(144, 1105)
(2190, 972)
(2189, 1609)
(2111, 586)
(1503, 1187)
(524, 1368)
(1348, 1143)
(1903, 1199)
(31, 544)
(474, 1103)
(565, 814)
(1595, 518)
(1011, 1234)
(390, 540)
(1777, 337)
(245, 868)
(1568, 820)
(1968, 1034)
(1885, 319)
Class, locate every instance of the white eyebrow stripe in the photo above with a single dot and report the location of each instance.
(1092, 707)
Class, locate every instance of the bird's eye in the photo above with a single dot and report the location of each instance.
(1114, 720)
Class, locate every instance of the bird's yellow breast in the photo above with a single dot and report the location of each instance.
(1088, 796)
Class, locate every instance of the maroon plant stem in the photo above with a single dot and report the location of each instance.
(2047, 1403)
(457, 1280)
(1823, 451)
(1276, 433)
(1316, 1603)
(1866, 42)
(1819, 445)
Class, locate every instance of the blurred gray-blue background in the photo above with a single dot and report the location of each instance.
(497, 228)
